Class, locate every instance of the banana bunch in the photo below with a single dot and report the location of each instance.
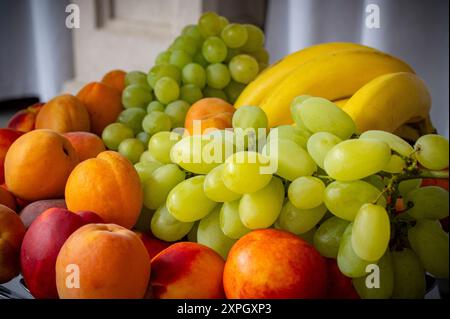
(377, 90)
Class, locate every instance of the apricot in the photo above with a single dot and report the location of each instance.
(112, 262)
(64, 113)
(187, 270)
(12, 231)
(274, 264)
(38, 164)
(7, 137)
(7, 199)
(86, 145)
(25, 120)
(213, 113)
(116, 79)
(103, 103)
(107, 185)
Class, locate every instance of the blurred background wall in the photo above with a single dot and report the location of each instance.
(40, 57)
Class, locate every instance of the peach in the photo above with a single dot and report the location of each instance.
(7, 199)
(25, 119)
(111, 261)
(38, 164)
(187, 270)
(41, 246)
(107, 185)
(30, 212)
(64, 113)
(274, 264)
(103, 102)
(153, 245)
(116, 79)
(7, 137)
(12, 231)
(86, 145)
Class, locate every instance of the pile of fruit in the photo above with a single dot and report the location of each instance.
(304, 188)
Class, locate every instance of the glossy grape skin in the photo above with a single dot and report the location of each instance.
(215, 189)
(371, 232)
(432, 151)
(404, 187)
(306, 192)
(163, 70)
(187, 201)
(114, 134)
(167, 90)
(185, 43)
(131, 148)
(299, 221)
(210, 234)
(230, 221)
(249, 117)
(162, 58)
(177, 112)
(136, 77)
(294, 108)
(132, 118)
(409, 275)
(255, 38)
(136, 95)
(190, 93)
(233, 90)
(193, 31)
(328, 236)
(147, 157)
(155, 106)
(344, 199)
(234, 35)
(165, 227)
(160, 183)
(243, 68)
(429, 202)
(180, 58)
(160, 145)
(214, 50)
(209, 24)
(212, 92)
(194, 73)
(319, 144)
(261, 208)
(217, 76)
(156, 122)
(291, 133)
(146, 169)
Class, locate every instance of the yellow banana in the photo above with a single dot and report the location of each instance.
(257, 89)
(389, 101)
(332, 76)
(341, 102)
(408, 132)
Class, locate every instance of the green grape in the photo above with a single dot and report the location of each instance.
(144, 137)
(230, 221)
(193, 32)
(145, 169)
(377, 181)
(348, 261)
(160, 145)
(328, 236)
(319, 144)
(409, 275)
(299, 221)
(306, 192)
(260, 209)
(161, 58)
(190, 93)
(199, 154)
(136, 77)
(209, 24)
(396, 165)
(215, 189)
(132, 118)
(243, 68)
(371, 232)
(144, 220)
(200, 59)
(250, 117)
(177, 112)
(167, 90)
(156, 122)
(289, 132)
(212, 92)
(246, 172)
(155, 106)
(234, 35)
(136, 95)
(320, 115)
(231, 53)
(344, 199)
(430, 242)
(160, 183)
(223, 23)
(185, 44)
(210, 234)
(163, 70)
(114, 134)
(255, 38)
(192, 235)
(165, 227)
(291, 160)
(131, 148)
(214, 50)
(147, 157)
(262, 56)
(233, 90)
(404, 187)
(356, 159)
(294, 108)
(386, 281)
(187, 201)
(432, 151)
(396, 143)
(180, 58)
(430, 202)
(217, 76)
(194, 73)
